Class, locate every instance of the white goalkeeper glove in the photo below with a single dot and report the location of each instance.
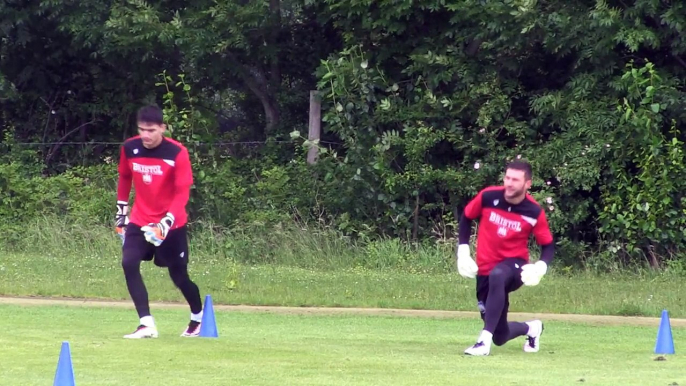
(465, 264)
(532, 273)
(156, 233)
(121, 219)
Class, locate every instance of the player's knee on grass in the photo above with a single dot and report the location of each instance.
(501, 334)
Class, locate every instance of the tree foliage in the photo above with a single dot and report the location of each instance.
(424, 102)
(425, 90)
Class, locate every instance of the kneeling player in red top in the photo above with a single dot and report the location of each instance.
(160, 170)
(508, 216)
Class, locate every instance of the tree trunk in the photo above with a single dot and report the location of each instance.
(255, 79)
(271, 114)
(654, 261)
(415, 225)
(473, 47)
(257, 83)
(275, 69)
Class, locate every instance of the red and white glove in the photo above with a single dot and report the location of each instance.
(156, 233)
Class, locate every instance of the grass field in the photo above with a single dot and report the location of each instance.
(100, 276)
(352, 346)
(268, 349)
(312, 268)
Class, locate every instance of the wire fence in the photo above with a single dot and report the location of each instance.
(63, 154)
(218, 143)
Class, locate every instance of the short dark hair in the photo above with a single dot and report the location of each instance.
(522, 166)
(150, 114)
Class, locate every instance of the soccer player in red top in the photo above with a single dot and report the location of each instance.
(159, 169)
(508, 216)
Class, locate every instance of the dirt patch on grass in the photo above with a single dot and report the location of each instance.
(514, 316)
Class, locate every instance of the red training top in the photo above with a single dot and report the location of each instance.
(161, 177)
(504, 228)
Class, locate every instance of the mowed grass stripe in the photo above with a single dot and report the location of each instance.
(514, 316)
(270, 348)
(98, 276)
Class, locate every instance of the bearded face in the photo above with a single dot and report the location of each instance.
(516, 184)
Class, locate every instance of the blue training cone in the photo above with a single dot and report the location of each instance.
(64, 376)
(208, 328)
(664, 343)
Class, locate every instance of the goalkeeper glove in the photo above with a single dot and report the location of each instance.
(532, 273)
(121, 219)
(465, 264)
(156, 233)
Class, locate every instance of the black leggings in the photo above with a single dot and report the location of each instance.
(172, 253)
(492, 293)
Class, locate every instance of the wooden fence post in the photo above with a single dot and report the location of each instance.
(314, 133)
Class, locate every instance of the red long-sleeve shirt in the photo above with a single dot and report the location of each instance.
(161, 178)
(504, 229)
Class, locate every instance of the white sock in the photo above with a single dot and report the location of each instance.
(148, 321)
(486, 337)
(196, 317)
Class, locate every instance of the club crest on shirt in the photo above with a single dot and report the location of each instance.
(504, 225)
(147, 171)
